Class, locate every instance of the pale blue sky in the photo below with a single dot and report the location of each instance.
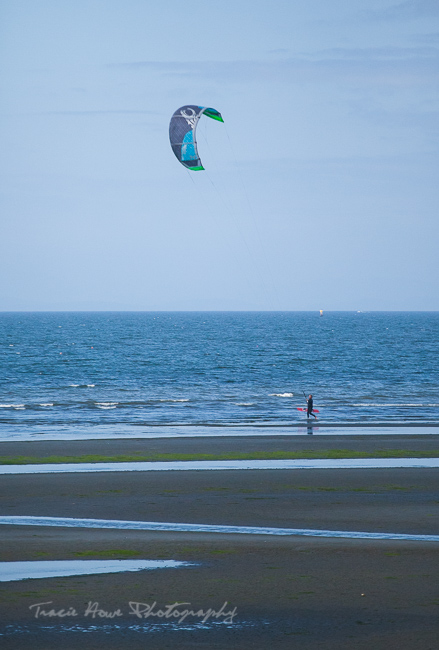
(320, 189)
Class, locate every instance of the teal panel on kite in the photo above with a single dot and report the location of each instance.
(182, 130)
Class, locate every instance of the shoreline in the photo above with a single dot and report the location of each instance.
(229, 432)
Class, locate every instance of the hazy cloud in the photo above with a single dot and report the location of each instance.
(427, 39)
(410, 10)
(383, 65)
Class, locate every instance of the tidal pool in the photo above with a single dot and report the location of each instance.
(10, 571)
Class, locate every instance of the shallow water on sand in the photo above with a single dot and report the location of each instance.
(218, 465)
(70, 522)
(11, 571)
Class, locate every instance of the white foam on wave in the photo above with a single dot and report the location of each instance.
(82, 385)
(106, 405)
(281, 394)
(13, 406)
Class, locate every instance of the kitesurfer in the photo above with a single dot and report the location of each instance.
(310, 405)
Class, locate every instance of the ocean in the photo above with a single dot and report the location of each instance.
(130, 373)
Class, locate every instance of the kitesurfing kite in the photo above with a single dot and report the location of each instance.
(182, 133)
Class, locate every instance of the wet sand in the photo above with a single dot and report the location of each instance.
(217, 445)
(289, 592)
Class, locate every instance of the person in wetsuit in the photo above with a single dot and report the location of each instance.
(310, 405)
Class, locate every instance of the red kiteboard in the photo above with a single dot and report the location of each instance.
(314, 410)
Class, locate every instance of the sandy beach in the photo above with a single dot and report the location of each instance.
(284, 592)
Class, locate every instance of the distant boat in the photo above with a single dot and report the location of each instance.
(321, 312)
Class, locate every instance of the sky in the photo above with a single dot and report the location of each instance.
(320, 190)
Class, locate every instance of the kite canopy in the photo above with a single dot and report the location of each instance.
(182, 133)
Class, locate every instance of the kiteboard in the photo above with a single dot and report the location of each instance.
(301, 409)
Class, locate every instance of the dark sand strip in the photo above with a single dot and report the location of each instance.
(381, 500)
(218, 445)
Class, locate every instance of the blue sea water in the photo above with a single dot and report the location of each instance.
(128, 372)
